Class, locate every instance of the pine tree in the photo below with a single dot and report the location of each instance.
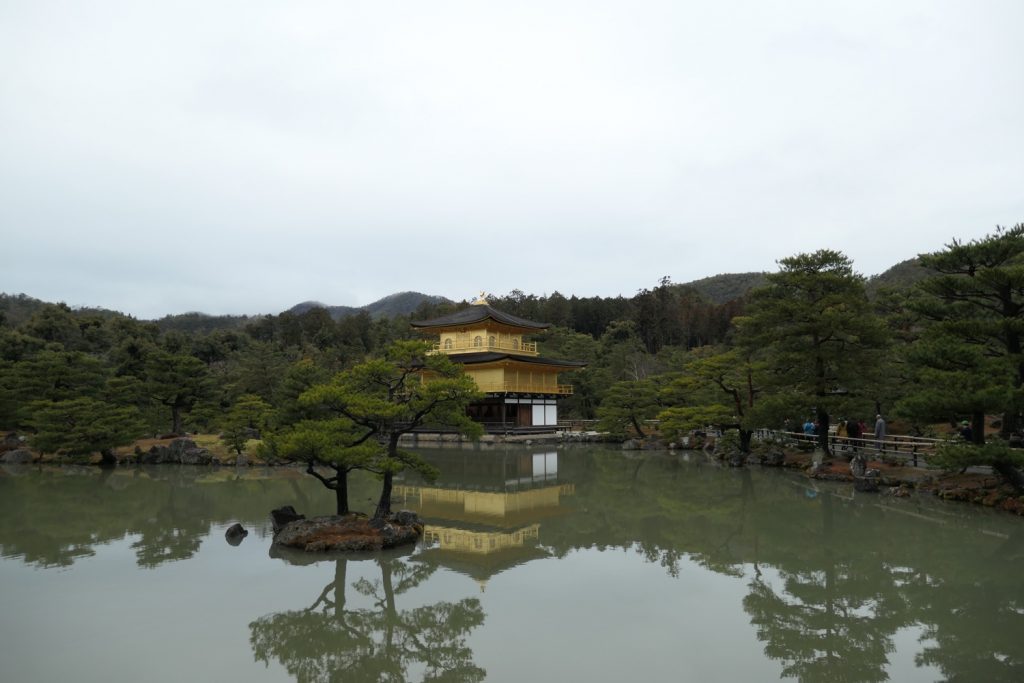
(814, 328)
(373, 404)
(82, 426)
(974, 302)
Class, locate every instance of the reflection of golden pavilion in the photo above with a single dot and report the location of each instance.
(479, 542)
(474, 506)
(490, 520)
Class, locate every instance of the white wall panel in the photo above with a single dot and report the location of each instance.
(538, 416)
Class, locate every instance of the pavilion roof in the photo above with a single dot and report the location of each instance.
(478, 313)
(473, 358)
(481, 566)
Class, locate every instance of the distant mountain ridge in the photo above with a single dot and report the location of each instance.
(401, 303)
(725, 287)
(16, 309)
(903, 275)
(719, 289)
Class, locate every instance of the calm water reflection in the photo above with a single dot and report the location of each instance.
(580, 563)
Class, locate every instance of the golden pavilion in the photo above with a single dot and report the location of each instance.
(521, 387)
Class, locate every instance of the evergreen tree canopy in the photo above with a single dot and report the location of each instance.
(82, 426)
(382, 399)
(975, 297)
(971, 348)
(813, 326)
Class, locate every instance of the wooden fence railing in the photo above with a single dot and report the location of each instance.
(912, 448)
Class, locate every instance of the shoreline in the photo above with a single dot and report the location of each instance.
(976, 488)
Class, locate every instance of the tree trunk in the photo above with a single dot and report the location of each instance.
(636, 426)
(745, 435)
(384, 504)
(341, 491)
(823, 431)
(176, 420)
(1011, 422)
(978, 428)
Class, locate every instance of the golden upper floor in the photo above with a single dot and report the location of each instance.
(484, 339)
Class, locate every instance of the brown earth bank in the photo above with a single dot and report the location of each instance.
(981, 489)
(202, 449)
(970, 487)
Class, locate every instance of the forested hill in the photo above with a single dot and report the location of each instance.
(16, 309)
(903, 275)
(402, 303)
(726, 287)
(720, 289)
(201, 323)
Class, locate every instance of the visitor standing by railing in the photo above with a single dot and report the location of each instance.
(912, 448)
(853, 433)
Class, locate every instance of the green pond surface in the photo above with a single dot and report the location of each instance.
(569, 564)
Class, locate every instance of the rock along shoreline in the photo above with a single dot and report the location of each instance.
(353, 532)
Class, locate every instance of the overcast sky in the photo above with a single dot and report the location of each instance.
(242, 156)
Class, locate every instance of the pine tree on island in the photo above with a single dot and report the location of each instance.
(363, 412)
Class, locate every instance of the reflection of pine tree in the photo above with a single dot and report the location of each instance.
(980, 639)
(835, 621)
(326, 642)
(53, 516)
(97, 507)
(175, 532)
(974, 618)
(320, 643)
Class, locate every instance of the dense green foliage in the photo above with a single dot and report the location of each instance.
(244, 421)
(975, 300)
(81, 426)
(903, 276)
(817, 335)
(938, 340)
(971, 347)
(186, 372)
(369, 407)
(627, 405)
(726, 287)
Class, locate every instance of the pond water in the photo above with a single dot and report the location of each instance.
(576, 564)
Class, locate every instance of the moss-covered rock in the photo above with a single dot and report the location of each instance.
(352, 532)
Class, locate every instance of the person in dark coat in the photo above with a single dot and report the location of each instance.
(853, 433)
(966, 433)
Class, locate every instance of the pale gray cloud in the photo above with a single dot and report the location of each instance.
(243, 156)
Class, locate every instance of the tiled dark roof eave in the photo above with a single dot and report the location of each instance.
(478, 313)
(494, 356)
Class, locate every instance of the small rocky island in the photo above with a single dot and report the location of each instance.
(351, 532)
